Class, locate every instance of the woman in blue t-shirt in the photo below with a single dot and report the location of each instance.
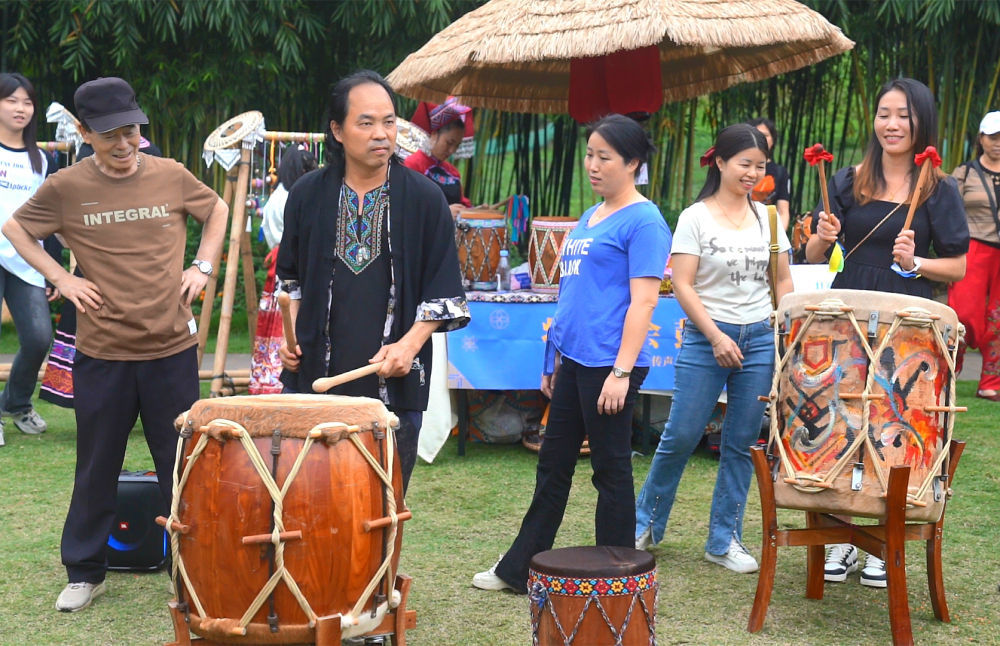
(720, 259)
(610, 272)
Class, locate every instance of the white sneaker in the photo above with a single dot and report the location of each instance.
(645, 540)
(29, 422)
(489, 580)
(2, 442)
(841, 560)
(737, 559)
(873, 575)
(77, 596)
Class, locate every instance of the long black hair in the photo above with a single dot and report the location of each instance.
(9, 82)
(731, 141)
(626, 136)
(337, 106)
(773, 129)
(296, 161)
(869, 180)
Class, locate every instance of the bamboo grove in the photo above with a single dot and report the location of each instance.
(195, 63)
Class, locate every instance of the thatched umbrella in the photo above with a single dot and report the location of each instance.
(515, 55)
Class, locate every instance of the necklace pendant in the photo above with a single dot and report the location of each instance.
(363, 254)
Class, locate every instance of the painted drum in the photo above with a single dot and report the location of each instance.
(864, 381)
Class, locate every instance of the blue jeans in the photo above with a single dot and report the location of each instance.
(699, 380)
(30, 310)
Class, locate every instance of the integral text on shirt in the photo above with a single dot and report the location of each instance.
(126, 215)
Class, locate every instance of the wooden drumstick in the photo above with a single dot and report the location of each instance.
(286, 321)
(817, 156)
(324, 384)
(926, 160)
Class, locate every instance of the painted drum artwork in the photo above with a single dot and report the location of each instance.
(480, 235)
(545, 249)
(864, 381)
(592, 596)
(286, 516)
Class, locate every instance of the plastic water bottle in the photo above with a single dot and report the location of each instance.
(503, 273)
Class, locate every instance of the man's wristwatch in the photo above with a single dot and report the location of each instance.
(621, 374)
(203, 266)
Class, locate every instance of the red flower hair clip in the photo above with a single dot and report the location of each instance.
(708, 157)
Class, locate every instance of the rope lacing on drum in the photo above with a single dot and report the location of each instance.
(828, 308)
(919, 317)
(179, 480)
(539, 596)
(914, 316)
(549, 275)
(277, 495)
(385, 475)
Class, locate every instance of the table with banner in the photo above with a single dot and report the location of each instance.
(503, 346)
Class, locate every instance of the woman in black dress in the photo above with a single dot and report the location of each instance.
(869, 203)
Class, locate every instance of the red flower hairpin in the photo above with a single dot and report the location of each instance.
(708, 157)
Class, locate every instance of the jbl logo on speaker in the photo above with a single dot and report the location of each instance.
(136, 541)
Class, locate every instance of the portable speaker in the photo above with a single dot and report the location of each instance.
(136, 541)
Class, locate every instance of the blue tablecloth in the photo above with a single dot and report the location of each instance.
(503, 346)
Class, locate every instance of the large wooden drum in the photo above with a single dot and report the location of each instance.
(480, 235)
(864, 381)
(545, 249)
(286, 511)
(593, 596)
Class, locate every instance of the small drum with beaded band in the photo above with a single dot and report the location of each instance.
(863, 381)
(545, 249)
(480, 235)
(593, 596)
(285, 525)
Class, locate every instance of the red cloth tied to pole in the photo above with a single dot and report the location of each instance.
(930, 154)
(622, 82)
(265, 363)
(816, 153)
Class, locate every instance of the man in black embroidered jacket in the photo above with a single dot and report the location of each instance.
(368, 258)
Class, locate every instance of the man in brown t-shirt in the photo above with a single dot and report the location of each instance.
(124, 215)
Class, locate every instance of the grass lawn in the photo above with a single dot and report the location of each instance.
(466, 511)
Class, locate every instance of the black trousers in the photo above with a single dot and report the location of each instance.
(108, 398)
(573, 416)
(407, 436)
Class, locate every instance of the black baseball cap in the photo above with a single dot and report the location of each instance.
(107, 103)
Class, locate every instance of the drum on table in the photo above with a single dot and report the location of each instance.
(286, 515)
(480, 235)
(593, 596)
(545, 249)
(864, 381)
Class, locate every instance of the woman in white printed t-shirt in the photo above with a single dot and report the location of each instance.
(23, 168)
(719, 258)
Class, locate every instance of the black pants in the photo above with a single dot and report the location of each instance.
(407, 436)
(109, 396)
(572, 416)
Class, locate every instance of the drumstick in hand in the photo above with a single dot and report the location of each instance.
(286, 321)
(816, 155)
(925, 160)
(324, 384)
